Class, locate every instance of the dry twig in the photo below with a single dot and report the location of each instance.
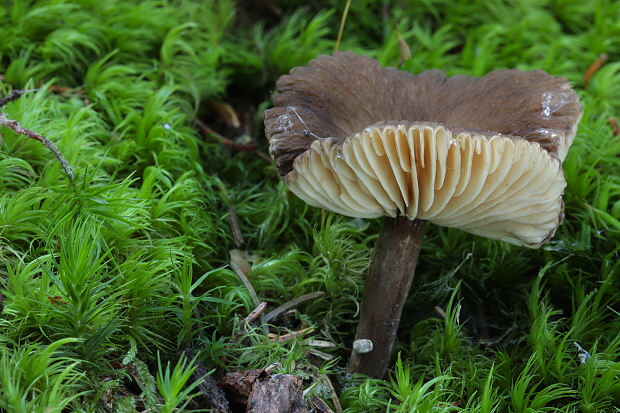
(17, 128)
(249, 147)
(14, 95)
(256, 313)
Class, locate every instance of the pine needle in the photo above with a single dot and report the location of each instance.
(344, 19)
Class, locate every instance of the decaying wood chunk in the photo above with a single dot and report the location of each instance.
(238, 385)
(211, 396)
(214, 396)
(280, 394)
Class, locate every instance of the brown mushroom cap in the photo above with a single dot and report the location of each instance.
(480, 154)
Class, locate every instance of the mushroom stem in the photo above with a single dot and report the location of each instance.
(390, 274)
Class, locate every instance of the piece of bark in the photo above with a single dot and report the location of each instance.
(282, 393)
(238, 385)
(213, 397)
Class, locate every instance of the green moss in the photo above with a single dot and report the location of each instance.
(104, 278)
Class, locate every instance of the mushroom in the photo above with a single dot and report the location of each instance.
(480, 154)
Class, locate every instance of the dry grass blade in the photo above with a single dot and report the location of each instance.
(293, 303)
(615, 127)
(252, 292)
(344, 19)
(234, 226)
(333, 396)
(226, 113)
(596, 65)
(404, 50)
(320, 354)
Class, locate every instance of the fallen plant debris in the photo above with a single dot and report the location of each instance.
(615, 127)
(234, 225)
(279, 393)
(238, 385)
(250, 146)
(319, 406)
(242, 260)
(290, 336)
(248, 285)
(15, 94)
(255, 313)
(17, 128)
(593, 68)
(272, 315)
(212, 396)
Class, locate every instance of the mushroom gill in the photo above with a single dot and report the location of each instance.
(494, 186)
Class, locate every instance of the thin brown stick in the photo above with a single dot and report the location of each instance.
(294, 334)
(293, 303)
(65, 89)
(249, 147)
(256, 312)
(342, 21)
(14, 95)
(17, 128)
(594, 67)
(208, 131)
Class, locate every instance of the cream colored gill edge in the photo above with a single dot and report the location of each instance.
(498, 187)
